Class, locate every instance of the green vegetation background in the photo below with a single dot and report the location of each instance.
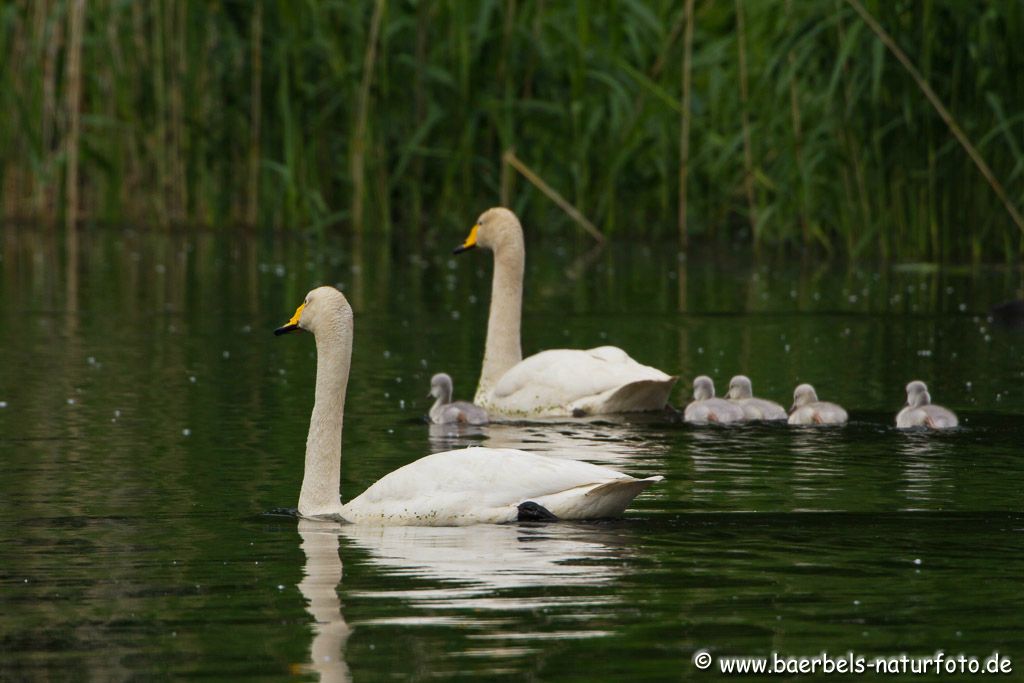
(394, 116)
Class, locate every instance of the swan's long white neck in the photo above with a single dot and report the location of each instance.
(503, 349)
(321, 484)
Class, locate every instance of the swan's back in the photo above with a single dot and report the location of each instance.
(486, 485)
(818, 413)
(716, 410)
(562, 382)
(761, 409)
(939, 417)
(459, 412)
(930, 416)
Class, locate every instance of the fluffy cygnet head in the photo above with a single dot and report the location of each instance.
(441, 387)
(803, 395)
(324, 309)
(740, 387)
(703, 388)
(917, 394)
(494, 228)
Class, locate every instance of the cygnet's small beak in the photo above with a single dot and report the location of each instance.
(292, 324)
(792, 408)
(470, 241)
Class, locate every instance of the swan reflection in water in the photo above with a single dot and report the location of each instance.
(319, 586)
(611, 441)
(480, 561)
(470, 572)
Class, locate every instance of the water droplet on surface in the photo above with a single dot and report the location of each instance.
(192, 379)
(917, 561)
(226, 355)
(186, 432)
(71, 401)
(3, 404)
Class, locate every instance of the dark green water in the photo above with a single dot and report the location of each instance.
(150, 421)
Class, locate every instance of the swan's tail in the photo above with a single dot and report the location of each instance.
(597, 501)
(640, 396)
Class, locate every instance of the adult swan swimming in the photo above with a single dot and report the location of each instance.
(454, 488)
(555, 383)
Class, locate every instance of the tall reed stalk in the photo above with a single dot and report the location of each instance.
(76, 20)
(684, 123)
(362, 115)
(748, 153)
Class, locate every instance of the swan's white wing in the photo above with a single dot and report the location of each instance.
(479, 485)
(559, 381)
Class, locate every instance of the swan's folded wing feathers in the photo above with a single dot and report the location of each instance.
(491, 477)
(574, 373)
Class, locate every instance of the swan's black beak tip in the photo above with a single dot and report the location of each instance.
(285, 329)
(462, 247)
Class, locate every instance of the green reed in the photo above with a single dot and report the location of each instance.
(289, 115)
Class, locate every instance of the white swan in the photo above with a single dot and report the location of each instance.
(919, 411)
(555, 383)
(454, 488)
(808, 410)
(706, 408)
(741, 393)
(445, 411)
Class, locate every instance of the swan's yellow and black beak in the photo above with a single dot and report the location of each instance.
(292, 324)
(470, 242)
